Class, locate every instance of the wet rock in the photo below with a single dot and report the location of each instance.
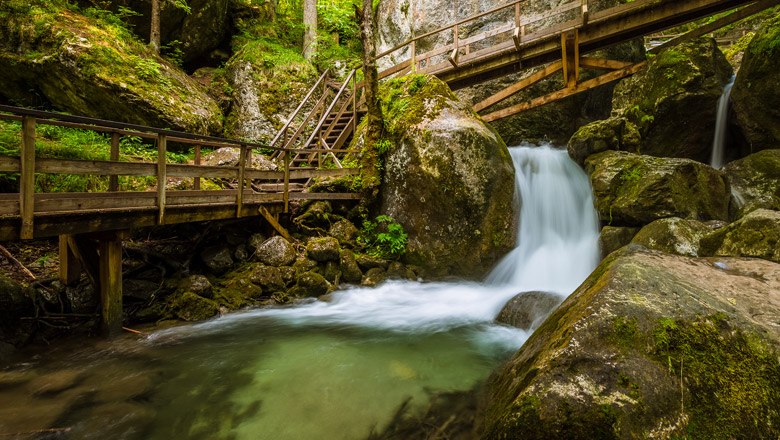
(367, 262)
(399, 271)
(276, 251)
(13, 379)
(755, 182)
(255, 241)
(188, 306)
(608, 362)
(632, 190)
(115, 420)
(615, 133)
(447, 179)
(199, 285)
(350, 271)
(241, 253)
(331, 272)
(674, 100)
(316, 218)
(323, 249)
(528, 309)
(344, 231)
(55, 382)
(756, 92)
(754, 235)
(270, 278)
(312, 284)
(83, 298)
(374, 276)
(304, 264)
(21, 412)
(673, 235)
(118, 385)
(217, 259)
(613, 238)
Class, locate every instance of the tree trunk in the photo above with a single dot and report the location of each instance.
(154, 37)
(310, 29)
(370, 75)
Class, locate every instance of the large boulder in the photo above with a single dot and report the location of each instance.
(633, 190)
(756, 92)
(447, 179)
(651, 345)
(754, 235)
(528, 309)
(755, 182)
(674, 100)
(276, 251)
(613, 238)
(673, 235)
(91, 68)
(615, 133)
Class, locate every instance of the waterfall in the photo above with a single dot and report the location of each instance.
(721, 122)
(557, 244)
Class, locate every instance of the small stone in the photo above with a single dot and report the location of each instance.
(373, 277)
(241, 253)
(313, 284)
(276, 251)
(396, 270)
(350, 271)
(188, 306)
(528, 310)
(367, 262)
(344, 231)
(303, 264)
(199, 285)
(217, 259)
(255, 241)
(268, 277)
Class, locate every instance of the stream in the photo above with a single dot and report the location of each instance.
(321, 370)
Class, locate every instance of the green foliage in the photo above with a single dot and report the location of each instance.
(631, 176)
(173, 52)
(383, 146)
(383, 237)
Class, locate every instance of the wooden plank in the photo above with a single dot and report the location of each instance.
(27, 178)
(111, 285)
(94, 167)
(196, 181)
(275, 224)
(113, 179)
(528, 81)
(162, 178)
(264, 175)
(87, 204)
(287, 182)
(70, 267)
(241, 181)
(10, 164)
(324, 196)
(603, 64)
(587, 85)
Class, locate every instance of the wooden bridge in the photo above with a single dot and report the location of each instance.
(311, 145)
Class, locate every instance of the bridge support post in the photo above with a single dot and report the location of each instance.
(70, 266)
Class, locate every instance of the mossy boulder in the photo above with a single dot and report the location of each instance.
(674, 100)
(447, 179)
(756, 92)
(527, 310)
(633, 190)
(311, 284)
(322, 249)
(651, 345)
(615, 133)
(197, 284)
(90, 67)
(350, 270)
(755, 182)
(613, 238)
(217, 259)
(673, 235)
(270, 278)
(276, 251)
(754, 235)
(188, 306)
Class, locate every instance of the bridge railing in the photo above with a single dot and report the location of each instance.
(244, 185)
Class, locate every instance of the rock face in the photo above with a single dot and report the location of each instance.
(755, 182)
(528, 309)
(633, 190)
(651, 346)
(756, 92)
(754, 235)
(448, 179)
(673, 235)
(92, 69)
(673, 101)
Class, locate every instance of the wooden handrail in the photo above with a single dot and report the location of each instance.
(300, 107)
(330, 107)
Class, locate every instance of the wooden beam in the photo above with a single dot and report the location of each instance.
(110, 253)
(87, 254)
(196, 180)
(271, 219)
(570, 56)
(70, 266)
(241, 180)
(528, 81)
(27, 178)
(556, 96)
(603, 64)
(113, 179)
(162, 178)
(287, 181)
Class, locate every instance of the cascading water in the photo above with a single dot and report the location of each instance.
(721, 123)
(338, 369)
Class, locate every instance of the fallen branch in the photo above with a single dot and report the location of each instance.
(16, 262)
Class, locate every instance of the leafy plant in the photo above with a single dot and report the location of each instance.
(383, 237)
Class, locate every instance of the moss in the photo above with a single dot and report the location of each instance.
(625, 332)
(732, 377)
(191, 307)
(767, 40)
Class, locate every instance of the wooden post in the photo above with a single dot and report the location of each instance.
(196, 182)
(70, 267)
(241, 179)
(286, 195)
(570, 57)
(517, 34)
(110, 252)
(455, 50)
(585, 15)
(414, 56)
(162, 178)
(113, 179)
(27, 178)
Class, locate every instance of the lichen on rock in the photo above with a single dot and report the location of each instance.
(755, 235)
(755, 182)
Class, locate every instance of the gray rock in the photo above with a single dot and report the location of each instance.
(350, 271)
(323, 249)
(367, 262)
(344, 231)
(218, 259)
(276, 251)
(270, 278)
(613, 238)
(673, 235)
(374, 276)
(754, 235)
(755, 182)
(312, 284)
(399, 271)
(528, 310)
(197, 284)
(609, 134)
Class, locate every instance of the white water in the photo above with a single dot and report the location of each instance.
(557, 249)
(721, 122)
